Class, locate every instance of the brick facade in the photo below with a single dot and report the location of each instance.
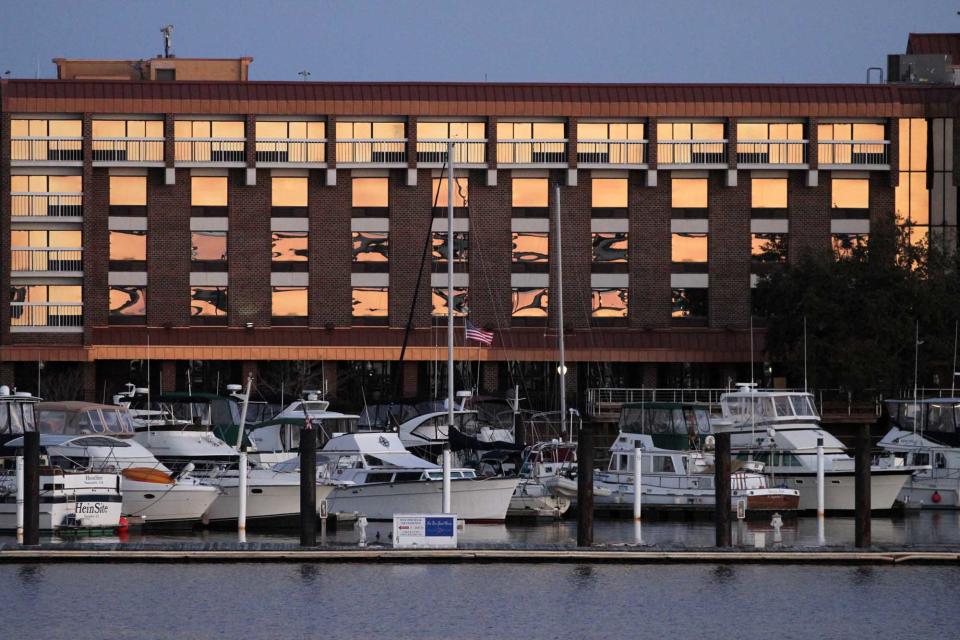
(248, 250)
(168, 250)
(729, 253)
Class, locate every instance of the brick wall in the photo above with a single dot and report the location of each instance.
(248, 250)
(490, 250)
(168, 249)
(5, 256)
(96, 249)
(729, 253)
(648, 303)
(330, 250)
(410, 219)
(576, 203)
(809, 214)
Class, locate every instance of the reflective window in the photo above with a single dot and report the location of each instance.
(610, 193)
(289, 192)
(768, 247)
(370, 246)
(46, 184)
(42, 128)
(689, 247)
(47, 293)
(530, 130)
(369, 130)
(610, 131)
(609, 303)
(128, 300)
(689, 131)
(851, 131)
(294, 130)
(208, 191)
(769, 193)
(208, 301)
(290, 141)
(127, 128)
(208, 245)
(461, 245)
(56, 140)
(208, 129)
(530, 192)
(769, 131)
(439, 192)
(689, 193)
(531, 246)
(371, 192)
(530, 302)
(610, 247)
(850, 194)
(128, 244)
(911, 195)
(289, 301)
(689, 303)
(128, 191)
(440, 301)
(450, 130)
(289, 246)
(43, 238)
(370, 302)
(847, 245)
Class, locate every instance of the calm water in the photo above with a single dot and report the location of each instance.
(287, 601)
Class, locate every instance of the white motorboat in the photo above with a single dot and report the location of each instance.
(426, 433)
(378, 477)
(273, 496)
(781, 430)
(71, 497)
(278, 439)
(924, 433)
(536, 495)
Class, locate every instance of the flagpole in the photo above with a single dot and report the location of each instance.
(562, 370)
(450, 301)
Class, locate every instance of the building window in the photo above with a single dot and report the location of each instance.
(610, 131)
(460, 192)
(208, 301)
(610, 247)
(128, 301)
(608, 303)
(690, 143)
(290, 141)
(689, 193)
(531, 247)
(127, 140)
(529, 131)
(289, 192)
(208, 246)
(912, 198)
(43, 250)
(40, 305)
(531, 142)
(289, 302)
(850, 193)
(370, 302)
(370, 142)
(768, 248)
(847, 245)
(440, 301)
(208, 191)
(851, 143)
(689, 303)
(46, 196)
(55, 140)
(43, 238)
(530, 302)
(461, 245)
(371, 193)
(369, 130)
(370, 246)
(530, 193)
(289, 246)
(209, 141)
(768, 193)
(689, 247)
(128, 191)
(450, 130)
(770, 143)
(128, 244)
(609, 193)
(432, 142)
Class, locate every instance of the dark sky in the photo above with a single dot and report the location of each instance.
(522, 40)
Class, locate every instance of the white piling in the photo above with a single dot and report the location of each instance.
(820, 484)
(20, 499)
(446, 480)
(637, 482)
(242, 492)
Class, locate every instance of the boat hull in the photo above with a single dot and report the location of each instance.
(839, 490)
(268, 503)
(534, 500)
(175, 504)
(91, 512)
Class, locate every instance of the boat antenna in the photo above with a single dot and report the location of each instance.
(804, 354)
(559, 298)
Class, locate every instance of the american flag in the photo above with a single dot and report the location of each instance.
(472, 332)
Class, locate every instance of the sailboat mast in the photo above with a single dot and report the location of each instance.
(450, 301)
(559, 292)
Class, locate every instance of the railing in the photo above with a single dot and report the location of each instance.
(857, 152)
(59, 260)
(605, 403)
(369, 151)
(693, 152)
(291, 150)
(46, 148)
(772, 151)
(210, 150)
(612, 151)
(434, 151)
(128, 149)
(46, 204)
(532, 151)
(46, 314)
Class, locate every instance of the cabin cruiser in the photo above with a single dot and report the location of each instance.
(102, 437)
(781, 430)
(925, 433)
(538, 493)
(378, 477)
(426, 433)
(278, 439)
(72, 497)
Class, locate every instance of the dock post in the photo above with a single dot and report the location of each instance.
(584, 487)
(242, 492)
(19, 499)
(308, 485)
(637, 482)
(721, 507)
(862, 488)
(31, 488)
(820, 486)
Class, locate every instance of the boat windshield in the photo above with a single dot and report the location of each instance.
(17, 417)
(765, 407)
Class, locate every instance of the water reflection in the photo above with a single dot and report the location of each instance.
(308, 574)
(723, 574)
(861, 576)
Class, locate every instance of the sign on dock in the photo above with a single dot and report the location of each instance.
(412, 531)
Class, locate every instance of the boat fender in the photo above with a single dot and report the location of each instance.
(936, 497)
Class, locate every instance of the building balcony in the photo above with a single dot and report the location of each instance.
(128, 151)
(46, 317)
(776, 153)
(692, 153)
(433, 152)
(46, 205)
(853, 154)
(367, 152)
(210, 151)
(612, 153)
(537, 153)
(61, 261)
(291, 151)
(46, 150)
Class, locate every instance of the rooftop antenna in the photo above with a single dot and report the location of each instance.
(167, 32)
(304, 75)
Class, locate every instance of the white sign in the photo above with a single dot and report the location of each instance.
(425, 531)
(741, 509)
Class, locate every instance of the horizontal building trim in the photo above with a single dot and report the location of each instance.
(689, 280)
(849, 226)
(127, 278)
(609, 225)
(289, 224)
(769, 226)
(209, 224)
(370, 279)
(208, 279)
(289, 279)
(530, 225)
(127, 223)
(529, 280)
(438, 280)
(609, 280)
(374, 225)
(694, 225)
(459, 224)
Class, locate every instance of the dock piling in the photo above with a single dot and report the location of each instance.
(584, 487)
(20, 499)
(862, 488)
(308, 485)
(31, 488)
(721, 509)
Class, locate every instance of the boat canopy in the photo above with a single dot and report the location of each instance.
(378, 448)
(935, 417)
(79, 418)
(765, 406)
